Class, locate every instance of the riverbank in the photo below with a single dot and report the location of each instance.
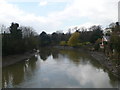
(12, 59)
(104, 61)
(99, 56)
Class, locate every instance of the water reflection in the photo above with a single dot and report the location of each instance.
(44, 54)
(15, 74)
(58, 68)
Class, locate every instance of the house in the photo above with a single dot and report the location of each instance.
(104, 39)
(107, 31)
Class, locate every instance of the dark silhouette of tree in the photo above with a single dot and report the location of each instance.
(55, 39)
(13, 41)
(16, 33)
(115, 39)
(97, 33)
(44, 39)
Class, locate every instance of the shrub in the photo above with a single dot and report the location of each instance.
(63, 43)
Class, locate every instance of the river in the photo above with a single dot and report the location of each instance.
(53, 68)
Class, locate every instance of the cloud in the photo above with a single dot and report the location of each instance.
(38, 0)
(97, 12)
(11, 13)
(101, 12)
(86, 25)
(43, 3)
(83, 76)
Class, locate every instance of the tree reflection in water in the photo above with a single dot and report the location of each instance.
(54, 68)
(17, 75)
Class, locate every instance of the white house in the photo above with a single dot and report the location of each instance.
(107, 30)
(104, 39)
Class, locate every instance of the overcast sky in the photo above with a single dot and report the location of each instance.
(53, 15)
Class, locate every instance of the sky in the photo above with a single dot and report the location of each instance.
(58, 15)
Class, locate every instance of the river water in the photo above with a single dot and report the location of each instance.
(53, 68)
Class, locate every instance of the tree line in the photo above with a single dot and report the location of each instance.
(71, 39)
(18, 39)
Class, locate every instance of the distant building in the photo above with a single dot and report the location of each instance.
(107, 30)
(104, 39)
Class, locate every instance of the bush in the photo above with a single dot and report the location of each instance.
(79, 44)
(97, 46)
(86, 43)
(63, 43)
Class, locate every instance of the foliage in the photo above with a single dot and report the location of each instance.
(115, 41)
(44, 39)
(97, 33)
(15, 32)
(63, 43)
(91, 35)
(74, 39)
(113, 46)
(52, 39)
(86, 43)
(115, 38)
(17, 41)
(96, 46)
(80, 44)
(99, 40)
(55, 38)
